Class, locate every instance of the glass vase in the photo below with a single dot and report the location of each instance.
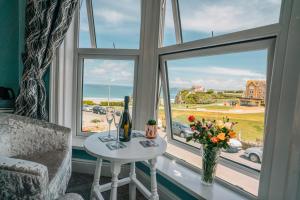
(210, 157)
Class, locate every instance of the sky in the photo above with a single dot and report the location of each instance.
(118, 23)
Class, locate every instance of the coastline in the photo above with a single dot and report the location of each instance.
(98, 100)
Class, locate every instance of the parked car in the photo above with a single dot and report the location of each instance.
(181, 130)
(254, 154)
(99, 110)
(87, 108)
(234, 146)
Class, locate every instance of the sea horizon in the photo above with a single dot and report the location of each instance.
(99, 92)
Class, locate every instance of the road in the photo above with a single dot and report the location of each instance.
(237, 157)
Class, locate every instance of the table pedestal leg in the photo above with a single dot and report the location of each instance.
(132, 186)
(115, 170)
(154, 194)
(96, 181)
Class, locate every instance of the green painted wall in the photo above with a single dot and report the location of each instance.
(12, 29)
(9, 44)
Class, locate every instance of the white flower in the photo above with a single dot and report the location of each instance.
(228, 125)
(220, 124)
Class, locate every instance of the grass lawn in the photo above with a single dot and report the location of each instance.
(250, 126)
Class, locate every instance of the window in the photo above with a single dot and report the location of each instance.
(213, 84)
(84, 36)
(112, 24)
(169, 29)
(104, 84)
(224, 76)
(206, 19)
(109, 37)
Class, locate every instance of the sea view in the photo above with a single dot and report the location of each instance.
(117, 92)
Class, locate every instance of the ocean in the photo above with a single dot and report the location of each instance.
(117, 92)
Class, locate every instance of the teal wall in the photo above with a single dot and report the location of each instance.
(9, 44)
(12, 29)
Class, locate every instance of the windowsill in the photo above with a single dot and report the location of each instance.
(186, 178)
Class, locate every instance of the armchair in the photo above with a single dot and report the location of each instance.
(35, 158)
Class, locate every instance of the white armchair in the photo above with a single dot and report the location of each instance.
(35, 158)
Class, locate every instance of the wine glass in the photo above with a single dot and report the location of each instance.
(117, 145)
(109, 117)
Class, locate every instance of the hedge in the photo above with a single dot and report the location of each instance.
(112, 103)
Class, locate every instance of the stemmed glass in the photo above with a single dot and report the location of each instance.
(110, 117)
(117, 145)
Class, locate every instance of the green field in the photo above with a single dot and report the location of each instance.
(250, 126)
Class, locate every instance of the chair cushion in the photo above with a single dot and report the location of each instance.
(52, 160)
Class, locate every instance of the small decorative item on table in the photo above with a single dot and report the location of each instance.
(151, 129)
(213, 135)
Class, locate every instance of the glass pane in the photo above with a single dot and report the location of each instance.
(84, 35)
(117, 23)
(105, 82)
(202, 19)
(169, 29)
(214, 87)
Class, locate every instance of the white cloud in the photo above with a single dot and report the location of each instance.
(214, 77)
(216, 83)
(222, 16)
(215, 70)
(109, 72)
(114, 16)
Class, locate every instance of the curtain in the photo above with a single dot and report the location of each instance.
(46, 24)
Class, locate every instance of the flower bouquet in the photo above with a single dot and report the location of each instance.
(213, 135)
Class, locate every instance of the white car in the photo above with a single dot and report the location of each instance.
(254, 154)
(87, 108)
(234, 146)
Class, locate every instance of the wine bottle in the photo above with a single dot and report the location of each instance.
(125, 125)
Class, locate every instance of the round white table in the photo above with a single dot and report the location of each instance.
(132, 153)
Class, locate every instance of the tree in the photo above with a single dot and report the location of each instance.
(210, 91)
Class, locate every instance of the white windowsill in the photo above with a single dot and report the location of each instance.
(184, 177)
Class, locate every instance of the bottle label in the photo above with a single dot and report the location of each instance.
(121, 133)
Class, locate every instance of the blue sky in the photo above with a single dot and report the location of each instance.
(108, 72)
(118, 22)
(219, 72)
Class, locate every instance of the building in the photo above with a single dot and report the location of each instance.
(254, 94)
(198, 88)
(255, 89)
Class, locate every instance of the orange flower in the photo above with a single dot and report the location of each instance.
(214, 139)
(232, 134)
(221, 136)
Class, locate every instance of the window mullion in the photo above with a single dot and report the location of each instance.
(177, 21)
(167, 106)
(90, 14)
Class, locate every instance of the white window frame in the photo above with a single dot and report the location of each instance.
(98, 53)
(267, 44)
(102, 54)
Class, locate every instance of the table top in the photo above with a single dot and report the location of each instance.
(133, 151)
